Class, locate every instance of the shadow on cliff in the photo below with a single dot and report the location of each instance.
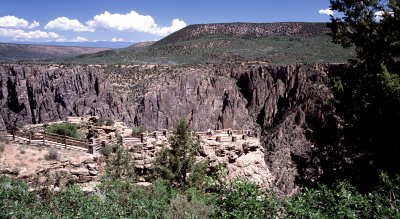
(366, 140)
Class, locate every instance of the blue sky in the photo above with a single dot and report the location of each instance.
(134, 21)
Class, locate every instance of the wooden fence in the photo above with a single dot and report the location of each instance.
(60, 141)
(53, 140)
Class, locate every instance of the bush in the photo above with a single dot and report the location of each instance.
(67, 129)
(16, 201)
(241, 199)
(106, 150)
(188, 206)
(107, 122)
(52, 154)
(136, 131)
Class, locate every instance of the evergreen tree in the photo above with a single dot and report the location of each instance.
(369, 96)
(177, 164)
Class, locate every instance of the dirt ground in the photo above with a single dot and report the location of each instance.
(25, 160)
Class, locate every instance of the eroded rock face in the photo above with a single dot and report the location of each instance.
(38, 94)
(206, 100)
(248, 164)
(288, 102)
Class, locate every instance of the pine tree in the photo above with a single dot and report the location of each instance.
(177, 164)
(368, 100)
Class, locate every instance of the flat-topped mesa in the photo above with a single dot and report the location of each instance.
(246, 30)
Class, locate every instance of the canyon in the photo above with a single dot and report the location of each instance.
(282, 103)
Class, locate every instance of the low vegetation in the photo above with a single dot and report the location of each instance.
(52, 154)
(136, 131)
(173, 195)
(66, 129)
(120, 198)
(106, 122)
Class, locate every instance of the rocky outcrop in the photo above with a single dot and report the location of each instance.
(242, 158)
(39, 94)
(205, 99)
(292, 104)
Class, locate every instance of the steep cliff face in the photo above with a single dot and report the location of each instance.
(291, 104)
(202, 97)
(38, 94)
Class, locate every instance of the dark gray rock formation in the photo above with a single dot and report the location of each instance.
(291, 104)
(200, 96)
(38, 94)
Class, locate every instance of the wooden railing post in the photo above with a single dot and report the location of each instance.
(30, 137)
(234, 138)
(142, 137)
(90, 146)
(44, 138)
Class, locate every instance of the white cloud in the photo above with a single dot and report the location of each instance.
(20, 34)
(15, 22)
(175, 26)
(34, 24)
(327, 11)
(64, 23)
(80, 39)
(75, 40)
(114, 39)
(133, 21)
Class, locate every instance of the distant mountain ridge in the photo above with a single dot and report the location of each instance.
(18, 52)
(221, 43)
(247, 30)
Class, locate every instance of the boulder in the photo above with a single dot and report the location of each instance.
(91, 166)
(93, 173)
(80, 172)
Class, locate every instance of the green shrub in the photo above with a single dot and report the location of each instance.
(136, 131)
(52, 154)
(241, 199)
(101, 122)
(109, 122)
(106, 150)
(67, 129)
(188, 206)
(342, 201)
(16, 201)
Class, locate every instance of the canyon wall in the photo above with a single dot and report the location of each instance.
(39, 94)
(291, 106)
